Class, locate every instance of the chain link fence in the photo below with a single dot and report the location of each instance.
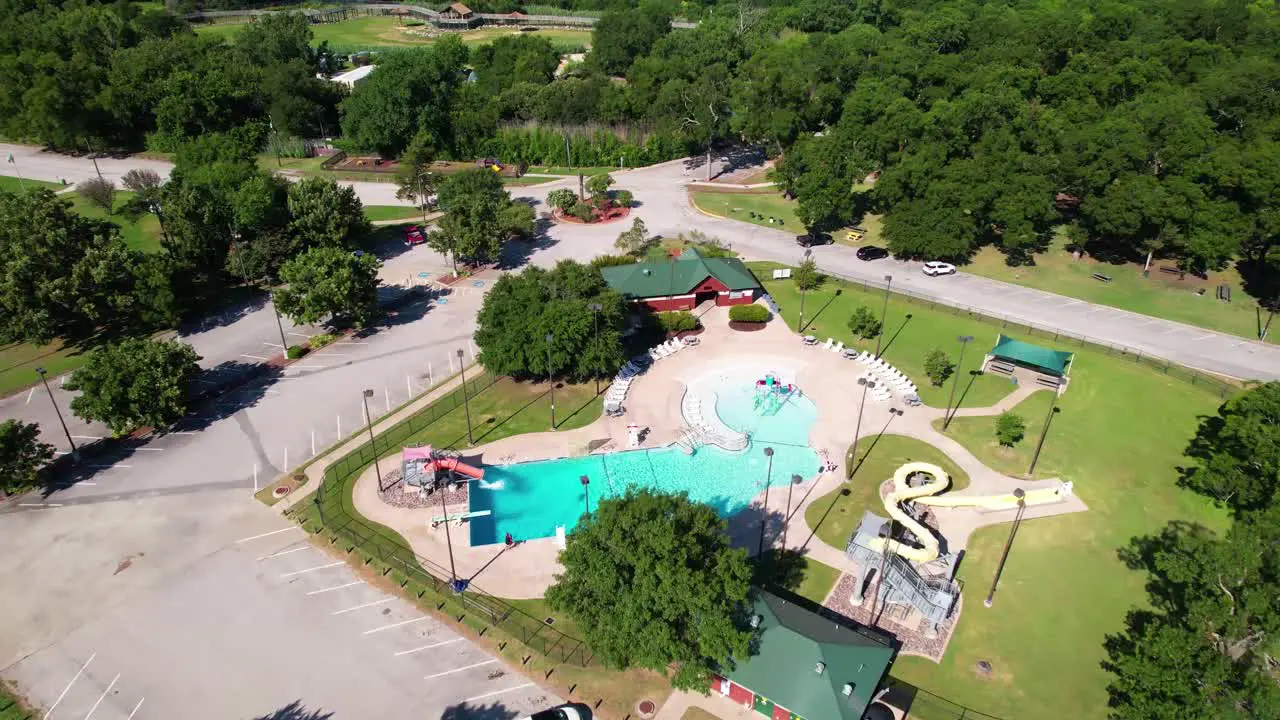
(332, 514)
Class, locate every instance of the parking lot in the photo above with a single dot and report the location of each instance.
(270, 627)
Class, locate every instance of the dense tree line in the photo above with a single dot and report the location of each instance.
(1206, 646)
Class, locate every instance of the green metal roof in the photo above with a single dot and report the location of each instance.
(677, 277)
(791, 642)
(1053, 362)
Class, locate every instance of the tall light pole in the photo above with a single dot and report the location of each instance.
(867, 384)
(795, 480)
(1044, 431)
(595, 310)
(369, 422)
(551, 381)
(1013, 530)
(448, 537)
(764, 514)
(884, 311)
(466, 401)
(946, 419)
(586, 497)
(884, 557)
(284, 344)
(800, 325)
(75, 452)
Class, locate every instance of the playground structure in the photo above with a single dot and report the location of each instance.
(914, 573)
(428, 469)
(772, 394)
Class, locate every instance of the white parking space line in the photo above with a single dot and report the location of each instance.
(102, 697)
(425, 647)
(33, 392)
(394, 625)
(274, 345)
(498, 692)
(297, 334)
(312, 569)
(110, 467)
(150, 449)
(458, 670)
(135, 709)
(87, 437)
(284, 552)
(361, 607)
(40, 505)
(336, 587)
(253, 357)
(74, 678)
(268, 534)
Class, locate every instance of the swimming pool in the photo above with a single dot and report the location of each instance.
(529, 500)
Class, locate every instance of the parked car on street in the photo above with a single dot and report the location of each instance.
(562, 712)
(812, 239)
(872, 252)
(933, 268)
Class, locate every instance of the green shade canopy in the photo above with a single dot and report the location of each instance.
(792, 641)
(677, 277)
(1053, 362)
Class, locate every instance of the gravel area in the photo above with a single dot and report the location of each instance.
(394, 494)
(913, 639)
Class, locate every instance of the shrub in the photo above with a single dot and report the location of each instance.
(678, 321)
(623, 198)
(1010, 428)
(938, 367)
(749, 313)
(99, 192)
(583, 211)
(562, 199)
(604, 261)
(295, 351)
(863, 322)
(319, 341)
(807, 276)
(598, 185)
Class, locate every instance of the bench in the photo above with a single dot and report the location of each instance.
(1224, 293)
(1000, 367)
(1101, 277)
(1047, 381)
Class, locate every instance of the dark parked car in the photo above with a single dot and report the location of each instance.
(872, 252)
(812, 239)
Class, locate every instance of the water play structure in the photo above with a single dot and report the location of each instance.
(425, 467)
(772, 394)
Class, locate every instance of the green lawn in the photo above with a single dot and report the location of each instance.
(697, 713)
(10, 183)
(141, 234)
(11, 705)
(374, 213)
(1119, 438)
(18, 363)
(562, 170)
(513, 408)
(837, 514)
(906, 342)
(739, 206)
(1161, 295)
(818, 581)
(979, 435)
(389, 32)
(525, 180)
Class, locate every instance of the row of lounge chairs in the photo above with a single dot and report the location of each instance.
(830, 345)
(672, 347)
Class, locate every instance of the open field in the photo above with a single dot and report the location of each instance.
(374, 213)
(911, 331)
(740, 205)
(142, 234)
(9, 183)
(513, 408)
(979, 435)
(1161, 295)
(373, 32)
(18, 363)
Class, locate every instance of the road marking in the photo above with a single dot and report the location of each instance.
(361, 607)
(336, 587)
(312, 569)
(274, 345)
(273, 532)
(310, 366)
(458, 670)
(87, 437)
(102, 697)
(87, 482)
(334, 354)
(182, 432)
(33, 392)
(297, 334)
(498, 692)
(253, 357)
(110, 467)
(424, 647)
(40, 505)
(284, 552)
(150, 449)
(79, 672)
(394, 625)
(135, 709)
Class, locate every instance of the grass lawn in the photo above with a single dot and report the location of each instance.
(526, 180)
(388, 32)
(906, 342)
(1119, 438)
(374, 213)
(142, 234)
(697, 713)
(818, 580)
(11, 705)
(838, 513)
(18, 363)
(1161, 295)
(979, 435)
(10, 183)
(561, 170)
(739, 206)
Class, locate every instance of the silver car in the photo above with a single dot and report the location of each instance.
(935, 268)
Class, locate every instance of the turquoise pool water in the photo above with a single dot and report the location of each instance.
(529, 500)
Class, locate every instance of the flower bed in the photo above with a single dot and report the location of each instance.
(746, 326)
(612, 214)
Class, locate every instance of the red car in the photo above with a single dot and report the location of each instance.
(413, 236)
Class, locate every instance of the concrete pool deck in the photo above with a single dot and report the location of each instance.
(826, 378)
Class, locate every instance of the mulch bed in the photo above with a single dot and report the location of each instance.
(913, 639)
(746, 326)
(395, 496)
(608, 216)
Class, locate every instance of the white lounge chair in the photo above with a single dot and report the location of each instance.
(830, 342)
(839, 346)
(810, 340)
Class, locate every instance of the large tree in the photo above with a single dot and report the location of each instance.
(1238, 451)
(618, 38)
(323, 213)
(651, 581)
(21, 455)
(329, 283)
(479, 217)
(135, 383)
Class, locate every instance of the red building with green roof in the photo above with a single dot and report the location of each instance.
(806, 666)
(684, 282)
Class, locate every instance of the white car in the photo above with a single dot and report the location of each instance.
(934, 269)
(562, 712)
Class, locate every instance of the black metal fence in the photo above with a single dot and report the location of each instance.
(333, 515)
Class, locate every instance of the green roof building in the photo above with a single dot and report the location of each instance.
(806, 666)
(684, 282)
(1051, 368)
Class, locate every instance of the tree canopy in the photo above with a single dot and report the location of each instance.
(21, 455)
(1239, 451)
(479, 217)
(135, 383)
(329, 283)
(651, 581)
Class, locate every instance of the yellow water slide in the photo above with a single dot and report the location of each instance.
(1008, 501)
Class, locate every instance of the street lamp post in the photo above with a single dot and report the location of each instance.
(1044, 431)
(866, 384)
(466, 401)
(75, 452)
(1013, 530)
(369, 422)
(795, 480)
(586, 497)
(800, 325)
(284, 344)
(884, 311)
(448, 537)
(551, 381)
(764, 514)
(964, 342)
(595, 311)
